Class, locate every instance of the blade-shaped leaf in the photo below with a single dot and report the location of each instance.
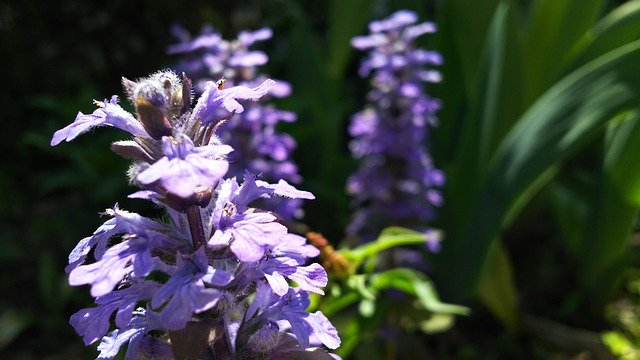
(347, 19)
(554, 26)
(619, 27)
(554, 128)
(613, 212)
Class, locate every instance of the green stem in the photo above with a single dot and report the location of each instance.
(356, 256)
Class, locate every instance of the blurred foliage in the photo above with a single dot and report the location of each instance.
(539, 138)
(624, 313)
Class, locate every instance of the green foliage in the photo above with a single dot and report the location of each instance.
(552, 81)
(367, 288)
(624, 340)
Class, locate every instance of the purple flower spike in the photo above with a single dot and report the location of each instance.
(200, 270)
(397, 181)
(109, 113)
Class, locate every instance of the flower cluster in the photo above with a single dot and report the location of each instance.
(396, 182)
(258, 147)
(217, 267)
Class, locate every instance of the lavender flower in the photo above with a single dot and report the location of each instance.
(259, 148)
(164, 280)
(396, 182)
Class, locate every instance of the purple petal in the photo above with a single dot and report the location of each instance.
(247, 38)
(323, 330)
(249, 59)
(283, 188)
(247, 250)
(109, 113)
(278, 283)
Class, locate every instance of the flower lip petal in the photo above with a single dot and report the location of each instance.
(109, 113)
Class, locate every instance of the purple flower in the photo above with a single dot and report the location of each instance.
(309, 278)
(133, 255)
(291, 307)
(93, 323)
(216, 104)
(397, 181)
(186, 169)
(133, 334)
(121, 222)
(249, 236)
(248, 233)
(185, 293)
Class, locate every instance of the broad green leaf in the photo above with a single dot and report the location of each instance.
(496, 287)
(565, 118)
(554, 27)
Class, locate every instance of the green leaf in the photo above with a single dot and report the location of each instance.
(496, 287)
(437, 324)
(474, 148)
(416, 284)
(619, 27)
(621, 159)
(570, 211)
(462, 32)
(568, 116)
(359, 284)
(461, 39)
(554, 26)
(12, 324)
(346, 20)
(606, 242)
